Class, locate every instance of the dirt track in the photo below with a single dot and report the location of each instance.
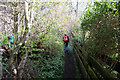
(69, 67)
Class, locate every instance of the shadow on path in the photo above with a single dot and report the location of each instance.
(69, 67)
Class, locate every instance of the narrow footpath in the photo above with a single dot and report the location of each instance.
(69, 67)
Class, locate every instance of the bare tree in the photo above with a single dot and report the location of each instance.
(18, 69)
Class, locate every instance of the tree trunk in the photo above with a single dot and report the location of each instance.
(28, 24)
(11, 61)
(1, 65)
(21, 65)
(15, 30)
(119, 30)
(13, 68)
(77, 9)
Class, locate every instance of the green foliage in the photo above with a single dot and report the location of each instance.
(46, 54)
(4, 63)
(4, 40)
(45, 45)
(99, 27)
(51, 68)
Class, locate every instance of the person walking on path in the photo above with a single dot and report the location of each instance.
(66, 40)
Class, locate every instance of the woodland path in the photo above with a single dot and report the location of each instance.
(69, 66)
